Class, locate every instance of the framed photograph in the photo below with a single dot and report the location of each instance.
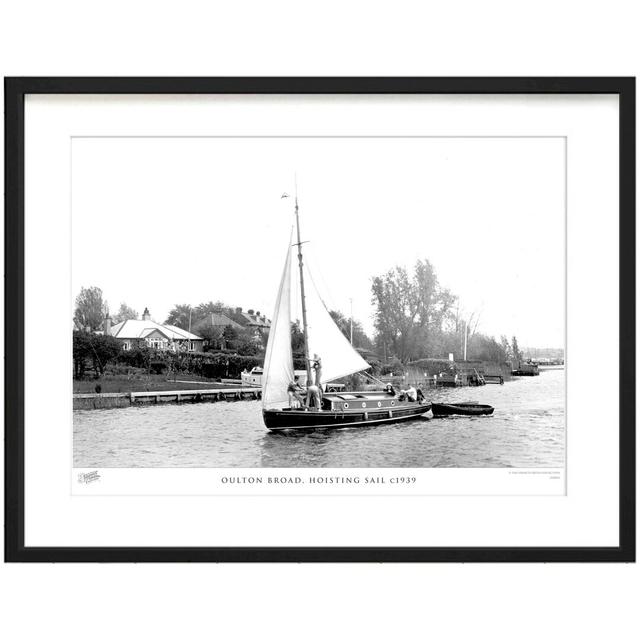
(320, 319)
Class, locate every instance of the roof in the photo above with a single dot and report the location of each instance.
(133, 329)
(255, 320)
(222, 320)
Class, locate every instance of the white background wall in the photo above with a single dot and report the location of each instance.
(331, 38)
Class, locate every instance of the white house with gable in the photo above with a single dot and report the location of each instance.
(147, 333)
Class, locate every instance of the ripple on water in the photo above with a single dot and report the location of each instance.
(526, 430)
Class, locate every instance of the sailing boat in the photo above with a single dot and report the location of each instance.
(339, 359)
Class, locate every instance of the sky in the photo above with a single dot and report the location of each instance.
(164, 221)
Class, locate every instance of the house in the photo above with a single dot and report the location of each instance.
(214, 326)
(215, 329)
(147, 333)
(222, 320)
(254, 320)
(251, 319)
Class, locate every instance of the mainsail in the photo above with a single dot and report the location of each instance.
(338, 357)
(278, 362)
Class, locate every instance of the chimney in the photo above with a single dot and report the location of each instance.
(106, 326)
(145, 314)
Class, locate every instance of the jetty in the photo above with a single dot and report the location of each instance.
(176, 396)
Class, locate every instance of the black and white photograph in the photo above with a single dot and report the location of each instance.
(363, 319)
(318, 301)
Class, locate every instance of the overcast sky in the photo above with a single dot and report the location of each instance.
(160, 221)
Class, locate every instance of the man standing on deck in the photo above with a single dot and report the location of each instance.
(316, 365)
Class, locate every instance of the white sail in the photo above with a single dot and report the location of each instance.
(278, 362)
(338, 357)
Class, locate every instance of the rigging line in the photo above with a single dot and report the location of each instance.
(368, 375)
(315, 286)
(313, 262)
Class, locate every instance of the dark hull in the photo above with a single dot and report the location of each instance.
(461, 409)
(277, 420)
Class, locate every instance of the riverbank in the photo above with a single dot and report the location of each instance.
(175, 396)
(128, 384)
(119, 391)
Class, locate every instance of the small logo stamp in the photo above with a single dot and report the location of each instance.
(88, 477)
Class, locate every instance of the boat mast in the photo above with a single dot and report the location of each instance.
(304, 306)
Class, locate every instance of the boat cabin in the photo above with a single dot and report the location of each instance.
(355, 400)
(252, 378)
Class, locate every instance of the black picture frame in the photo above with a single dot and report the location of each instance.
(15, 91)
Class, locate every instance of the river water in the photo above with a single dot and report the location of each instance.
(526, 430)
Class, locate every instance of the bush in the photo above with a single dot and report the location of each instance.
(158, 367)
(138, 357)
(209, 365)
(395, 366)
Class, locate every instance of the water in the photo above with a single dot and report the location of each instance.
(526, 430)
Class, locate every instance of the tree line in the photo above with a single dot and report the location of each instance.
(417, 318)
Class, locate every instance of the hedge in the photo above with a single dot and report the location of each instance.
(209, 365)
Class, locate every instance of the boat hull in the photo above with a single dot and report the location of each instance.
(461, 409)
(280, 420)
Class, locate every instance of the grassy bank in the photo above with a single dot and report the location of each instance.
(127, 384)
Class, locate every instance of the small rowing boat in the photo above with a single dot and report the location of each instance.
(461, 409)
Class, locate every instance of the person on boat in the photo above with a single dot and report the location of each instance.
(389, 389)
(295, 392)
(420, 394)
(409, 394)
(316, 364)
(314, 400)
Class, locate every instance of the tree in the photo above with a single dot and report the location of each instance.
(229, 337)
(125, 312)
(506, 347)
(205, 309)
(97, 349)
(212, 335)
(297, 339)
(179, 316)
(81, 352)
(516, 354)
(360, 339)
(410, 309)
(90, 309)
(483, 347)
(248, 342)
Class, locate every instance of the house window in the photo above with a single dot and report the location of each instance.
(155, 343)
(192, 346)
(126, 346)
